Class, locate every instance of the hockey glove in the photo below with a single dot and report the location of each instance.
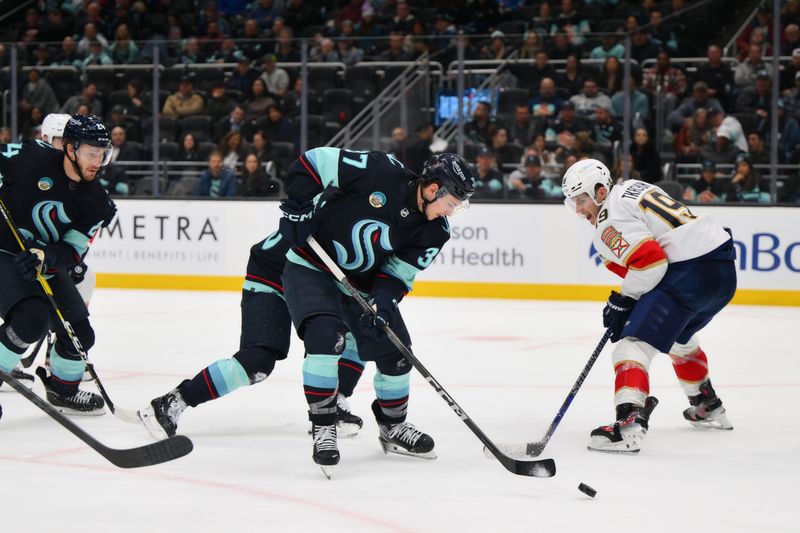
(37, 258)
(616, 313)
(385, 309)
(302, 219)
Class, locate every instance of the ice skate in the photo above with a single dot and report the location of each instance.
(405, 439)
(23, 377)
(706, 409)
(81, 402)
(326, 454)
(627, 433)
(347, 424)
(161, 416)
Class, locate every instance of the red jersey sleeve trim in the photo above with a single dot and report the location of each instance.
(619, 270)
(647, 255)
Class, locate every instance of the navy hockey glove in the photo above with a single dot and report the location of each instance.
(616, 313)
(385, 310)
(302, 219)
(36, 258)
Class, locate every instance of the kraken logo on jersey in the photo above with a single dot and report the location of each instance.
(44, 215)
(365, 235)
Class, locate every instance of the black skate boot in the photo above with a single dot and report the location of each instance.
(81, 402)
(706, 409)
(403, 438)
(326, 454)
(628, 432)
(347, 424)
(161, 416)
(23, 377)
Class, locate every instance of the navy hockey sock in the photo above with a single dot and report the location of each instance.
(350, 367)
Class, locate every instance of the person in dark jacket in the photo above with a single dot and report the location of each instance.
(216, 181)
(255, 181)
(645, 157)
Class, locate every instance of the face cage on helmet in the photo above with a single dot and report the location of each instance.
(103, 154)
(454, 205)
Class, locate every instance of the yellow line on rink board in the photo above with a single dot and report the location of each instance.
(442, 289)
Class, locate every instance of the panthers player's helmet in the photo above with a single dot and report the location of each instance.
(88, 130)
(453, 175)
(585, 176)
(53, 126)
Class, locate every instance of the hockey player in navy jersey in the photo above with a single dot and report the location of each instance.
(678, 271)
(265, 334)
(58, 206)
(382, 224)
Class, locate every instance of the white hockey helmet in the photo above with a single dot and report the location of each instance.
(584, 177)
(53, 126)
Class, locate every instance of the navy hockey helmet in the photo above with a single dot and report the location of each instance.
(88, 130)
(453, 175)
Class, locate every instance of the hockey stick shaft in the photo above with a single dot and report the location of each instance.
(536, 448)
(540, 468)
(122, 414)
(150, 454)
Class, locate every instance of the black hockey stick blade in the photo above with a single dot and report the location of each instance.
(26, 362)
(521, 467)
(147, 455)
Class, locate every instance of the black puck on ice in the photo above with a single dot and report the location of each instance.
(586, 489)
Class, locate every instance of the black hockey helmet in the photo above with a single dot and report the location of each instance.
(87, 129)
(453, 175)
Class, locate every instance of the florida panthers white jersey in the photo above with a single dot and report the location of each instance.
(640, 230)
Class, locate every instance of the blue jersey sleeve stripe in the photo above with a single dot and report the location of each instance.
(77, 240)
(397, 268)
(325, 161)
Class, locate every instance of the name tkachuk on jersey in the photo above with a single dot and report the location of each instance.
(641, 229)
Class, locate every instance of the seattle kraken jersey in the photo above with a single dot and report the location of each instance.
(46, 205)
(265, 266)
(375, 228)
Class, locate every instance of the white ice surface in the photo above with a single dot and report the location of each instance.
(509, 364)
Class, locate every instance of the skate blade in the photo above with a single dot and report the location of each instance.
(72, 412)
(628, 447)
(327, 471)
(616, 451)
(399, 450)
(148, 418)
(712, 424)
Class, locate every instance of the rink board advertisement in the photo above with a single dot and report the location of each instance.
(496, 250)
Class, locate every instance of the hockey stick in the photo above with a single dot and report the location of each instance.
(26, 362)
(122, 414)
(534, 468)
(147, 455)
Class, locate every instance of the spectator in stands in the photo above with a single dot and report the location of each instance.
(530, 76)
(216, 181)
(41, 56)
(479, 129)
(285, 50)
(746, 183)
(122, 149)
(546, 104)
(114, 176)
(608, 47)
(367, 29)
(587, 101)
(717, 75)
(210, 15)
(643, 47)
(235, 121)
(87, 97)
(756, 149)
(255, 181)
(788, 132)
(258, 101)
(496, 49)
(662, 33)
(789, 73)
(68, 56)
(569, 121)
(792, 40)
(531, 45)
(219, 103)
(325, 53)
(251, 45)
(134, 104)
(349, 54)
(728, 139)
(633, 174)
(420, 150)
(188, 151)
(96, 56)
(645, 156)
(30, 27)
(488, 179)
(791, 98)
(243, 77)
(191, 52)
(123, 50)
(31, 124)
(228, 52)
(90, 33)
(757, 99)
(607, 130)
(544, 20)
(504, 153)
(612, 76)
(279, 127)
(706, 189)
(746, 72)
(232, 148)
(523, 128)
(275, 78)
(185, 102)
(55, 28)
(529, 182)
(263, 12)
(551, 168)
(399, 144)
(699, 99)
(791, 12)
(403, 20)
(670, 79)
(5, 135)
(573, 77)
(694, 136)
(262, 147)
(350, 12)
(561, 47)
(571, 23)
(640, 105)
(38, 93)
(117, 118)
(761, 22)
(396, 50)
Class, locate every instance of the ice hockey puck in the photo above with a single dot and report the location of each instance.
(586, 489)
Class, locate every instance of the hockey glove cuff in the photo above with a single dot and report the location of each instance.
(616, 313)
(297, 222)
(37, 258)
